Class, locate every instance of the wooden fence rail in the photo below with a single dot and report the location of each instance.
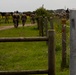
(51, 53)
(24, 72)
(23, 39)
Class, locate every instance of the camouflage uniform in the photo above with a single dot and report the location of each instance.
(7, 17)
(33, 18)
(23, 18)
(16, 18)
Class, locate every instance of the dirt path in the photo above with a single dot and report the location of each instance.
(12, 26)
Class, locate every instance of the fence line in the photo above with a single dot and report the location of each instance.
(51, 53)
(43, 24)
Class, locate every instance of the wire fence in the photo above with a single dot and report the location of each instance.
(62, 36)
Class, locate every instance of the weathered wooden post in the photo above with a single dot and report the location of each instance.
(73, 42)
(45, 26)
(51, 52)
(41, 26)
(63, 63)
(51, 23)
(37, 20)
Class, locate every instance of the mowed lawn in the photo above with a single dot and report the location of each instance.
(26, 55)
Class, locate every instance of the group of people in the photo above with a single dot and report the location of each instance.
(16, 18)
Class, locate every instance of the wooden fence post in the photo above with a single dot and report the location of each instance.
(63, 63)
(51, 23)
(41, 26)
(51, 52)
(45, 26)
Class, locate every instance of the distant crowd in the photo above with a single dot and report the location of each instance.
(16, 17)
(22, 17)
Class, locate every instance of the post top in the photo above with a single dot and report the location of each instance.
(63, 21)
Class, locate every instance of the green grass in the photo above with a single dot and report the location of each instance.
(20, 32)
(2, 21)
(22, 55)
(28, 55)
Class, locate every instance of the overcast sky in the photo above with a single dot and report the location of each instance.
(32, 5)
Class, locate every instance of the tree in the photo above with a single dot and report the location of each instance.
(42, 12)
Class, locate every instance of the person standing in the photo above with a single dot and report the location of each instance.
(33, 18)
(16, 18)
(23, 18)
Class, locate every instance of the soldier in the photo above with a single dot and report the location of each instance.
(7, 17)
(67, 13)
(16, 18)
(33, 18)
(23, 19)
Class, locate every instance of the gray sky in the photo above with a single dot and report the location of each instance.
(31, 5)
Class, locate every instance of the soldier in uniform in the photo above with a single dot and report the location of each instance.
(23, 19)
(32, 18)
(16, 18)
(67, 13)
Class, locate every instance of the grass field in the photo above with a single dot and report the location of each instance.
(28, 55)
(10, 21)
